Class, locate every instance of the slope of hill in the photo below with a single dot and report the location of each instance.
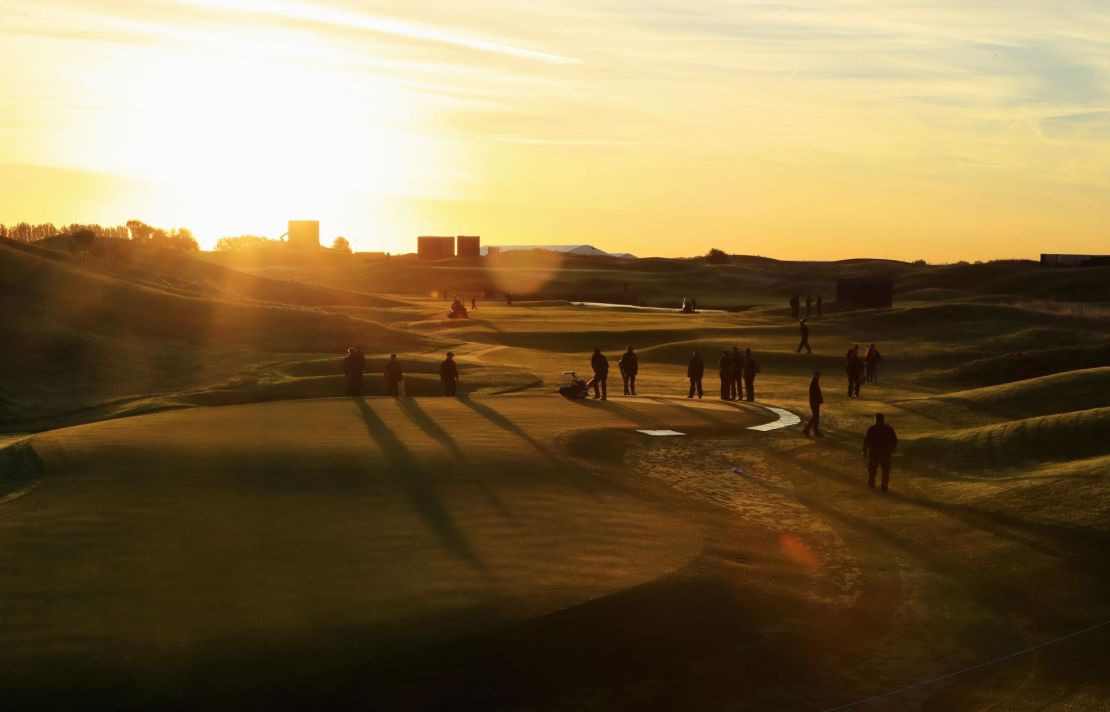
(83, 337)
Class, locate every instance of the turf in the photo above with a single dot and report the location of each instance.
(192, 517)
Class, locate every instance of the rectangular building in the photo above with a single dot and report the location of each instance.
(431, 247)
(304, 234)
(1054, 260)
(468, 246)
(874, 292)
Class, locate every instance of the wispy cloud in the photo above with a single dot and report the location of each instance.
(383, 25)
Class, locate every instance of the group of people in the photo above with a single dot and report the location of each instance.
(354, 365)
(629, 365)
(737, 372)
(796, 306)
(860, 368)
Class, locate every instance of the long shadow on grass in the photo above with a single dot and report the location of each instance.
(434, 430)
(418, 486)
(506, 424)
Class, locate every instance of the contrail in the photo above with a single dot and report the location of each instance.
(382, 25)
(784, 86)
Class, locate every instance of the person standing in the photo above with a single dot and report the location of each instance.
(809, 305)
(449, 374)
(600, 365)
(725, 371)
(349, 371)
(794, 302)
(509, 298)
(878, 446)
(854, 369)
(694, 371)
(736, 382)
(629, 366)
(815, 401)
(394, 375)
(804, 329)
(871, 363)
(751, 368)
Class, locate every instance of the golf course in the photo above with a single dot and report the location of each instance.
(194, 516)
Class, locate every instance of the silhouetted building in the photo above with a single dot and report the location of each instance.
(304, 234)
(865, 291)
(468, 246)
(1052, 260)
(429, 247)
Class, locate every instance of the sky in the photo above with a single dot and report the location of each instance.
(937, 130)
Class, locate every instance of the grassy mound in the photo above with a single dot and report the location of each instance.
(1063, 436)
(1073, 390)
(20, 467)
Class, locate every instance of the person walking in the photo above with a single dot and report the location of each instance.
(349, 371)
(871, 363)
(474, 303)
(449, 374)
(854, 369)
(600, 364)
(629, 366)
(804, 329)
(815, 401)
(394, 376)
(751, 368)
(725, 371)
(736, 384)
(694, 371)
(878, 446)
(819, 309)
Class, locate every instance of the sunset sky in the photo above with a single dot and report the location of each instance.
(942, 130)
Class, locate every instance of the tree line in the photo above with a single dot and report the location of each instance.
(84, 236)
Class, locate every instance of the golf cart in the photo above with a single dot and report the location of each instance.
(573, 387)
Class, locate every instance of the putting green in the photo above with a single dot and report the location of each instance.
(151, 537)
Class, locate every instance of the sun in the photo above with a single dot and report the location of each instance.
(245, 129)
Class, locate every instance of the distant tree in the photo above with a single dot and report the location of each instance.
(245, 242)
(182, 239)
(140, 231)
(341, 245)
(920, 263)
(717, 257)
(82, 240)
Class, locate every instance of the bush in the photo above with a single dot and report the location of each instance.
(717, 257)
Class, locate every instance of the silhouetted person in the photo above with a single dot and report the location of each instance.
(694, 371)
(352, 371)
(394, 375)
(871, 363)
(509, 298)
(878, 446)
(809, 305)
(819, 308)
(803, 327)
(751, 368)
(815, 401)
(449, 374)
(736, 383)
(600, 365)
(794, 306)
(854, 369)
(474, 303)
(629, 366)
(725, 371)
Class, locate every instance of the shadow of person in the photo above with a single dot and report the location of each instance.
(436, 431)
(417, 485)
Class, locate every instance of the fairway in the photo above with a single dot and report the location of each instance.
(195, 518)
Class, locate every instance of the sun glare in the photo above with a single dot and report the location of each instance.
(250, 129)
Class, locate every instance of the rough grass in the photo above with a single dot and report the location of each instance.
(1061, 436)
